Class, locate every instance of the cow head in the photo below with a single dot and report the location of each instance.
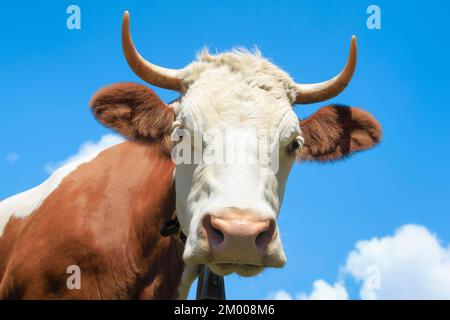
(235, 126)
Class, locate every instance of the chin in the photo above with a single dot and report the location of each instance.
(244, 270)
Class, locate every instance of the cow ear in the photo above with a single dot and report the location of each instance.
(133, 110)
(335, 132)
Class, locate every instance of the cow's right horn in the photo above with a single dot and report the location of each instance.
(151, 73)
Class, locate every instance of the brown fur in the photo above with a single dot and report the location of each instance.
(7, 241)
(104, 217)
(134, 110)
(334, 132)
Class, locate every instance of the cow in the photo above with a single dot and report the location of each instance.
(103, 214)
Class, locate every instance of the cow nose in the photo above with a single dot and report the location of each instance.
(234, 233)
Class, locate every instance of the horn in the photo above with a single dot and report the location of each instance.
(316, 92)
(151, 73)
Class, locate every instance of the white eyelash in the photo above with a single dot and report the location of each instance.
(176, 124)
(301, 141)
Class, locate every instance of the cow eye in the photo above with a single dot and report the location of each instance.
(293, 146)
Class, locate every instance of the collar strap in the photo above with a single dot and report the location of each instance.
(172, 227)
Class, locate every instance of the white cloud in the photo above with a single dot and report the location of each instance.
(411, 264)
(321, 291)
(86, 149)
(280, 295)
(324, 291)
(12, 157)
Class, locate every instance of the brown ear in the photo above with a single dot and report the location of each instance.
(133, 110)
(335, 132)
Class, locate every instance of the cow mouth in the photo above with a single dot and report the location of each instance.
(242, 269)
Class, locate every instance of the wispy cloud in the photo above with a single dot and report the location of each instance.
(12, 157)
(280, 295)
(324, 291)
(410, 264)
(321, 291)
(86, 149)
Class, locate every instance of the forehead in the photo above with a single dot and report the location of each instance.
(237, 89)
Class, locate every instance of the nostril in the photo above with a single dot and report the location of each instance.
(215, 235)
(218, 233)
(265, 237)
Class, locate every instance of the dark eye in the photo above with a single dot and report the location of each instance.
(293, 147)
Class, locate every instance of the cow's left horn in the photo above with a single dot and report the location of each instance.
(316, 92)
(151, 73)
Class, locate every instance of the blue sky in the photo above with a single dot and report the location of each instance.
(49, 73)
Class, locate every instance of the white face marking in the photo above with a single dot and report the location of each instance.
(228, 96)
(25, 203)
